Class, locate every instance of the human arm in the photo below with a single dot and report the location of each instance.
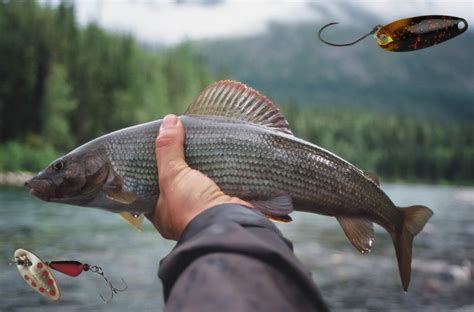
(228, 257)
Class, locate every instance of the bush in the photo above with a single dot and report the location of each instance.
(15, 156)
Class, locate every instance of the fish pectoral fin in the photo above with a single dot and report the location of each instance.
(360, 232)
(280, 219)
(114, 191)
(135, 220)
(120, 196)
(276, 206)
(372, 177)
(234, 99)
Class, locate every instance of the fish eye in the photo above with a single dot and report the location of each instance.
(58, 165)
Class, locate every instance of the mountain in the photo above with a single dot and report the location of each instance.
(290, 65)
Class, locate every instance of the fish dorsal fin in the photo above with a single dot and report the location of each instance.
(372, 177)
(234, 99)
(359, 231)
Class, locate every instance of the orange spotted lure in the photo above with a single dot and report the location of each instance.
(410, 34)
(37, 273)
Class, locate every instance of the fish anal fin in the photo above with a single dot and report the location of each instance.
(120, 196)
(372, 177)
(234, 99)
(359, 231)
(134, 220)
(276, 206)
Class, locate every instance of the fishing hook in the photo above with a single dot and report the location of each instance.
(373, 31)
(114, 290)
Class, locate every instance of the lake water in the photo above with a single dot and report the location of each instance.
(442, 273)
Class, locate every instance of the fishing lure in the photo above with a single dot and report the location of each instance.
(37, 273)
(410, 34)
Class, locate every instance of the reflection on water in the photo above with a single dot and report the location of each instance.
(442, 275)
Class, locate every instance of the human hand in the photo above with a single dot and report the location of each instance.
(184, 192)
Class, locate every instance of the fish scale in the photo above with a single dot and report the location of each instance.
(247, 161)
(134, 163)
(315, 185)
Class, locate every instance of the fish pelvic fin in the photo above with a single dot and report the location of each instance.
(414, 219)
(276, 206)
(280, 219)
(134, 220)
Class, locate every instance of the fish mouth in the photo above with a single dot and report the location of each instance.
(44, 197)
(43, 189)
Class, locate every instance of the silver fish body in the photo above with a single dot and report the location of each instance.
(239, 139)
(251, 162)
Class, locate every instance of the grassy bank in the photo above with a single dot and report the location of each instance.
(21, 157)
(19, 161)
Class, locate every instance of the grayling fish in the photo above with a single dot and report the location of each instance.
(239, 139)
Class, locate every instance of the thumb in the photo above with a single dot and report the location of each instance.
(169, 146)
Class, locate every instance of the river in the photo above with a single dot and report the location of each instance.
(442, 272)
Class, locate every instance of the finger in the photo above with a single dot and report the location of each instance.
(169, 145)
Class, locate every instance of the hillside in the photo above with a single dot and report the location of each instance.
(62, 84)
(290, 65)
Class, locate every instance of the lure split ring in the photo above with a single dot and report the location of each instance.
(410, 34)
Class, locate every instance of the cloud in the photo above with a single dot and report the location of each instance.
(168, 22)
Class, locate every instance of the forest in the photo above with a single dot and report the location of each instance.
(62, 84)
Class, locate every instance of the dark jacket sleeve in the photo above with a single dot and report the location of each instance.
(231, 258)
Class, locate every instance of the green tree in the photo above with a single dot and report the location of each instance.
(25, 49)
(58, 105)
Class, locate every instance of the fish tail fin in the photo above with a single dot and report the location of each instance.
(414, 219)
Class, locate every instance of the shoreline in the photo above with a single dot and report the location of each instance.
(15, 178)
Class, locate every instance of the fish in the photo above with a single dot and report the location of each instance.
(242, 141)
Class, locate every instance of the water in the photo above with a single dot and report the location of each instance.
(442, 274)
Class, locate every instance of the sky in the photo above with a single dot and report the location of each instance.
(169, 22)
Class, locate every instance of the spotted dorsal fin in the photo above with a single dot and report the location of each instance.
(234, 99)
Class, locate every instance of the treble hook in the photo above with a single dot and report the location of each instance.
(373, 31)
(114, 290)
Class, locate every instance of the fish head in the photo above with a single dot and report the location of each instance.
(75, 178)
